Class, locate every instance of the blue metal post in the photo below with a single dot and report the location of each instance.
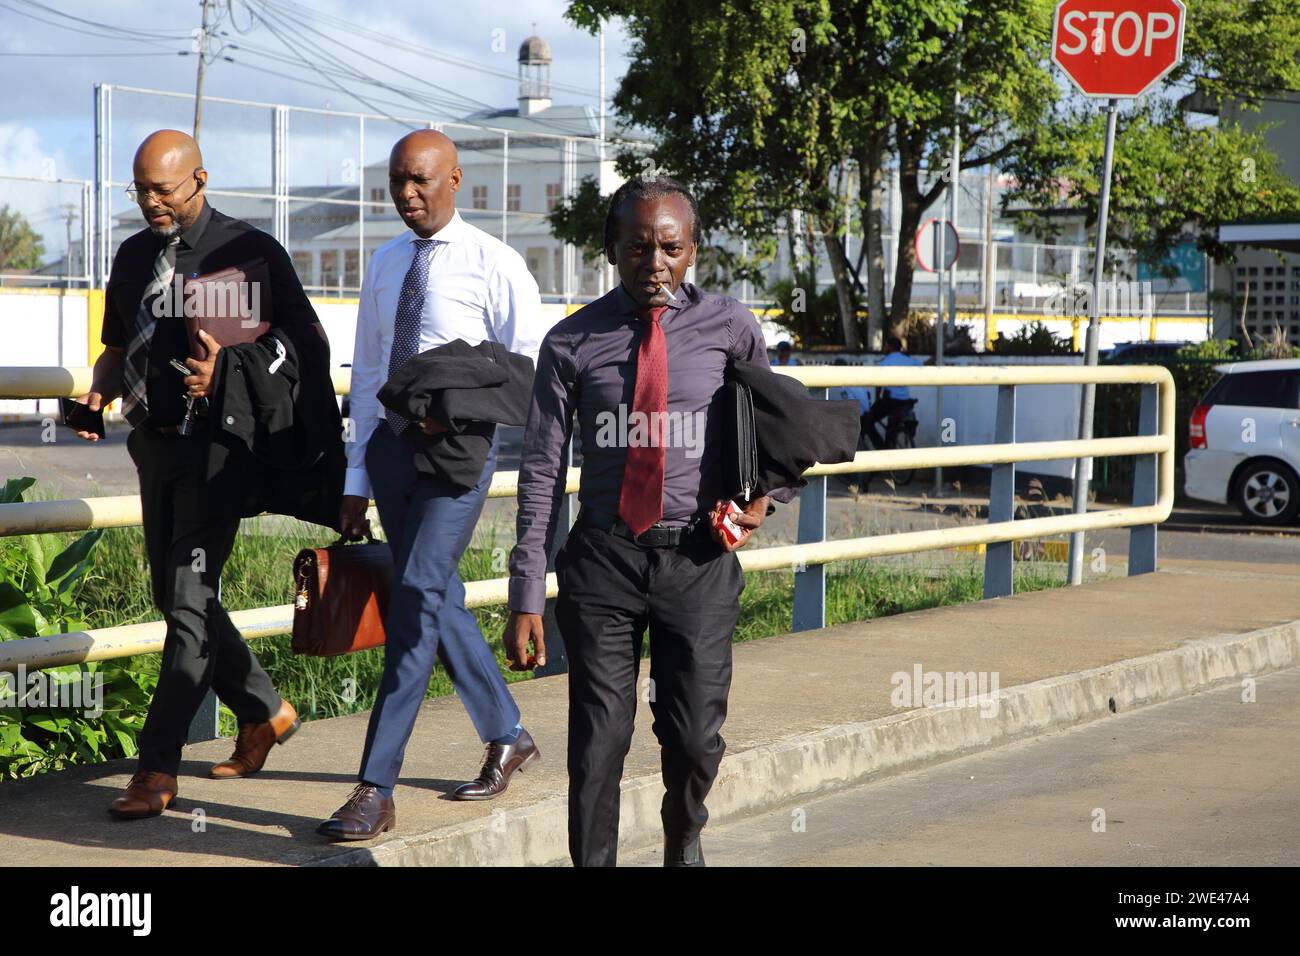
(810, 580)
(999, 557)
(1142, 539)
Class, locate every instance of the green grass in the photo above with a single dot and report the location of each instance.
(258, 575)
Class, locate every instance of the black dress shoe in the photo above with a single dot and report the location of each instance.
(499, 762)
(367, 814)
(683, 854)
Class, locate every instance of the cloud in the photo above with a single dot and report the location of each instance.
(44, 204)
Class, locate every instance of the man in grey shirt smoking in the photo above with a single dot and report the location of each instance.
(642, 369)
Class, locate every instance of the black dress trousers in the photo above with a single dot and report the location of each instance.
(187, 547)
(611, 590)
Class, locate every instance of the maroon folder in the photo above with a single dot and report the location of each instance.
(232, 305)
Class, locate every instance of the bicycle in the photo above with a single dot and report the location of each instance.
(900, 432)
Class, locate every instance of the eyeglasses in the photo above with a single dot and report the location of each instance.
(136, 194)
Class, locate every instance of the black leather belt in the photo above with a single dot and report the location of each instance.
(655, 536)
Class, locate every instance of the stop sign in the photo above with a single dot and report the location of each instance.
(1117, 48)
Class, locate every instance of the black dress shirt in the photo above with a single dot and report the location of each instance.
(214, 242)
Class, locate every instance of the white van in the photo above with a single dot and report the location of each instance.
(1245, 441)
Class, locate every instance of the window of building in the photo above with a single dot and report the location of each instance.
(352, 267)
(302, 266)
(512, 197)
(479, 194)
(329, 268)
(553, 195)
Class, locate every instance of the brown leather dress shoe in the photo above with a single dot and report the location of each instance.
(253, 743)
(499, 762)
(366, 814)
(147, 795)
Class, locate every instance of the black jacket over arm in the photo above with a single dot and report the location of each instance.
(471, 389)
(793, 430)
(277, 441)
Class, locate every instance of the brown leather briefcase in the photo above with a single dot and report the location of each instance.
(341, 597)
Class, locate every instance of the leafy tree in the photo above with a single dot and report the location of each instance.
(1173, 172)
(767, 106)
(20, 246)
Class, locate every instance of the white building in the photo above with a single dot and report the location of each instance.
(517, 164)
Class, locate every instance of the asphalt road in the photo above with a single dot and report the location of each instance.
(1207, 780)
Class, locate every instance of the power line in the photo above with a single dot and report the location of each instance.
(389, 66)
(82, 55)
(460, 146)
(329, 79)
(116, 33)
(542, 122)
(410, 46)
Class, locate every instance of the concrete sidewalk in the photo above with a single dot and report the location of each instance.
(809, 713)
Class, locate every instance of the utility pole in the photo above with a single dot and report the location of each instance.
(69, 217)
(202, 42)
(607, 271)
(990, 255)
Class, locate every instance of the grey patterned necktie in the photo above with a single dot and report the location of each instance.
(135, 404)
(406, 325)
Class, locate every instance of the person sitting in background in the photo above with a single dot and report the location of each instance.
(894, 398)
(784, 354)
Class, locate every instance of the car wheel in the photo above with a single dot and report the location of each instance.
(1268, 492)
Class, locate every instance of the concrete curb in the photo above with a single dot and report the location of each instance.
(768, 776)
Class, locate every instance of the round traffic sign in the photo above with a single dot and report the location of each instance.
(927, 249)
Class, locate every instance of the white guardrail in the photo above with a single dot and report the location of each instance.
(1153, 497)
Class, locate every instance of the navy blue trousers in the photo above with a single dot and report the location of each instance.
(428, 524)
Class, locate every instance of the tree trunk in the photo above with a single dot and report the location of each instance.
(844, 295)
(871, 160)
(909, 221)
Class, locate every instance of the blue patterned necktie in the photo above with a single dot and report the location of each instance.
(406, 326)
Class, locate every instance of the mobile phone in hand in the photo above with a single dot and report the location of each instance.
(80, 418)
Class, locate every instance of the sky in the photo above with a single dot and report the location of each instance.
(459, 57)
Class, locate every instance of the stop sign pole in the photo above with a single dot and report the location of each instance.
(1109, 49)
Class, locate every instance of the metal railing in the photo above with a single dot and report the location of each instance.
(1153, 496)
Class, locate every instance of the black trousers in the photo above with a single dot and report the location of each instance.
(187, 546)
(611, 591)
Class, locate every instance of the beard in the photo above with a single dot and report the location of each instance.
(167, 231)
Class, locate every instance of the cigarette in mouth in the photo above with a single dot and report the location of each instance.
(664, 289)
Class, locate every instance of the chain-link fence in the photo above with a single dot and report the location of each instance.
(45, 231)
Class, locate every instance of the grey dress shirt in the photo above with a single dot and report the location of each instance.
(587, 366)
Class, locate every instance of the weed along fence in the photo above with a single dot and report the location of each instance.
(1152, 501)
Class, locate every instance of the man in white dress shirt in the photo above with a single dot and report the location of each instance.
(443, 280)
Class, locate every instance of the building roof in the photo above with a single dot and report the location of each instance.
(534, 50)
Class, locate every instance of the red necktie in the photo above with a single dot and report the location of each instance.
(641, 500)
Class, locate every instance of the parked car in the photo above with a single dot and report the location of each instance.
(1245, 441)
(1137, 353)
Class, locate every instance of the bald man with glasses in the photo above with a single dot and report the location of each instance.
(188, 530)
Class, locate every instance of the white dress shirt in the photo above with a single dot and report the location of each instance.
(479, 290)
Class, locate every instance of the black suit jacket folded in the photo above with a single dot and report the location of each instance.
(471, 389)
(793, 430)
(277, 437)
